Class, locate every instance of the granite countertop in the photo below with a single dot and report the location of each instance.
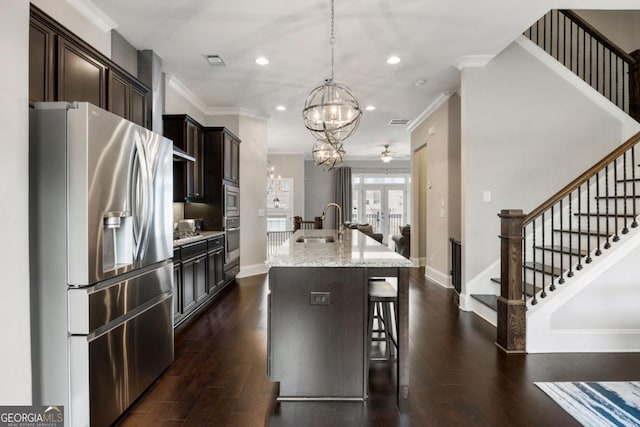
(356, 249)
(204, 235)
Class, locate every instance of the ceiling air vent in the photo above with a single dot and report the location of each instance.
(215, 60)
(399, 121)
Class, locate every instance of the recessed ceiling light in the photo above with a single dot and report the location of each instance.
(261, 60)
(393, 60)
(370, 108)
(281, 108)
(419, 82)
(215, 60)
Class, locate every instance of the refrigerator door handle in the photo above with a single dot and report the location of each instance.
(140, 192)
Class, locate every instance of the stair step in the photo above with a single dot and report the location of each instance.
(610, 215)
(564, 250)
(528, 287)
(589, 233)
(490, 301)
(545, 269)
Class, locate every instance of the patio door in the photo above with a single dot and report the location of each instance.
(385, 208)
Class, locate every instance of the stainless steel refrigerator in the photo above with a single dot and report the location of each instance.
(101, 235)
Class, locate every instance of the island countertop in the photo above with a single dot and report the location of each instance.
(356, 249)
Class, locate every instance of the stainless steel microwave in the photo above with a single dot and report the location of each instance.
(231, 201)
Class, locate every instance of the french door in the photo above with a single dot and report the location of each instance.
(384, 207)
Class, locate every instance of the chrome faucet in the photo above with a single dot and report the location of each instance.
(340, 220)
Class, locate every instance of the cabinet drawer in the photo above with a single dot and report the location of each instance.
(215, 243)
(193, 249)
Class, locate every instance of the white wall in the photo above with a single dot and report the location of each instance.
(15, 334)
(526, 133)
(175, 102)
(439, 167)
(319, 187)
(253, 195)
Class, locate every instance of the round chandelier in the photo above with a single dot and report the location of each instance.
(327, 155)
(332, 114)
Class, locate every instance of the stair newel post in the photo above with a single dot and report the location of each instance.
(634, 85)
(511, 330)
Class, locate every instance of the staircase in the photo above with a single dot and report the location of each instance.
(545, 248)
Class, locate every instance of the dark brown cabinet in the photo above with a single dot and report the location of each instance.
(231, 152)
(215, 265)
(41, 62)
(199, 275)
(80, 76)
(62, 67)
(188, 177)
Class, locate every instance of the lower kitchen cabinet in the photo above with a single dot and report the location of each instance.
(198, 275)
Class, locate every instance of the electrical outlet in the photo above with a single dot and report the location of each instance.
(319, 298)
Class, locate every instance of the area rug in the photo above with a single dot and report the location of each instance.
(597, 403)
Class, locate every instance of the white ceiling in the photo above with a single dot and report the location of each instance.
(428, 35)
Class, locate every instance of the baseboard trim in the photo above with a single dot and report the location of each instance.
(440, 278)
(252, 270)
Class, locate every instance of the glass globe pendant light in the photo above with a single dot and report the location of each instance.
(327, 155)
(332, 114)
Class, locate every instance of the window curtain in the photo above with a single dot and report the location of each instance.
(342, 194)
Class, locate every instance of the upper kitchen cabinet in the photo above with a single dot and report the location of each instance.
(188, 177)
(41, 62)
(80, 76)
(231, 150)
(62, 67)
(227, 150)
(126, 98)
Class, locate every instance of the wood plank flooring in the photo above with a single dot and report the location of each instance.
(458, 376)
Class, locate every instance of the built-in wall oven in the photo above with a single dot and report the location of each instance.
(232, 239)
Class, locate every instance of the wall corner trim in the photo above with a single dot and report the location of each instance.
(472, 61)
(439, 101)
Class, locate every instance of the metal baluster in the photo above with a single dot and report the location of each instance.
(616, 237)
(543, 294)
(552, 287)
(570, 274)
(607, 245)
(598, 251)
(561, 281)
(588, 260)
(634, 224)
(610, 78)
(544, 33)
(625, 230)
(617, 88)
(598, 67)
(579, 266)
(524, 260)
(584, 55)
(534, 301)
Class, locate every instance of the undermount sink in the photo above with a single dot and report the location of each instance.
(319, 239)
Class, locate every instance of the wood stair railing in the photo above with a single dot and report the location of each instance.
(544, 248)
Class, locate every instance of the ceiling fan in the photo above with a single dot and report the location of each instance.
(386, 156)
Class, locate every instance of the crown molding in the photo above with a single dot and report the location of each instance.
(472, 61)
(234, 111)
(184, 91)
(96, 16)
(440, 100)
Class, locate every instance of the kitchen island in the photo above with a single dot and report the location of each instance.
(317, 326)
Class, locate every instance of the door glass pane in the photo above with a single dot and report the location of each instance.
(372, 208)
(396, 210)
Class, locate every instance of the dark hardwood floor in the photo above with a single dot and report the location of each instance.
(458, 375)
